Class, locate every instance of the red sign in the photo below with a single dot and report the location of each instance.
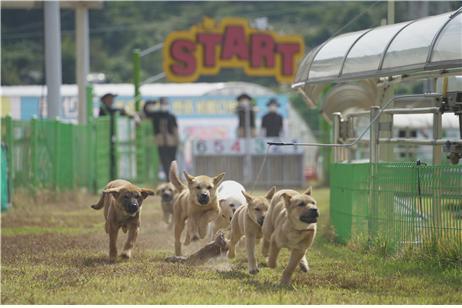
(208, 47)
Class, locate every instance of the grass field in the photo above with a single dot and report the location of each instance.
(56, 253)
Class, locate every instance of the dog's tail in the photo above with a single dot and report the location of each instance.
(173, 177)
(100, 204)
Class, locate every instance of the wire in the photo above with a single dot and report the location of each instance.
(339, 145)
(355, 18)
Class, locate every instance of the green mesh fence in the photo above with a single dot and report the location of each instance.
(401, 203)
(62, 156)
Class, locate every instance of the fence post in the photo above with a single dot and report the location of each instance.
(373, 160)
(57, 163)
(436, 195)
(34, 153)
(89, 103)
(9, 153)
(137, 77)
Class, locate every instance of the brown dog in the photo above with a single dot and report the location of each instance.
(247, 221)
(197, 203)
(213, 249)
(290, 223)
(167, 193)
(122, 205)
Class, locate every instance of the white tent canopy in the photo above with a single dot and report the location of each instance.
(431, 43)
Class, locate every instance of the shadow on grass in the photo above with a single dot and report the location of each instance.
(94, 261)
(260, 286)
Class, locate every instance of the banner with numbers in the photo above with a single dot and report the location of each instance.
(257, 146)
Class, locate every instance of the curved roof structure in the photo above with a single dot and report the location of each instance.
(431, 43)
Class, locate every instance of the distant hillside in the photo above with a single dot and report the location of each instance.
(122, 26)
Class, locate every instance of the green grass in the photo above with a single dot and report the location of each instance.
(56, 253)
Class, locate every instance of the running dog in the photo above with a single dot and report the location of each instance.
(122, 206)
(197, 203)
(230, 198)
(167, 193)
(291, 223)
(247, 221)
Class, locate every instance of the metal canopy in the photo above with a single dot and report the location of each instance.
(431, 43)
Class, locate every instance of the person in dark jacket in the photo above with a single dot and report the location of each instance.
(107, 106)
(165, 128)
(107, 109)
(272, 121)
(245, 104)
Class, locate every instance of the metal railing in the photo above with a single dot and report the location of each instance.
(63, 156)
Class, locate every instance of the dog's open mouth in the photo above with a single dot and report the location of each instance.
(261, 221)
(308, 219)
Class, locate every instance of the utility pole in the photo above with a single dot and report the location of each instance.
(82, 55)
(53, 57)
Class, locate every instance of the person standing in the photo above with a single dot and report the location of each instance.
(165, 128)
(272, 121)
(246, 114)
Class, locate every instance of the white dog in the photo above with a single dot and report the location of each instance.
(230, 198)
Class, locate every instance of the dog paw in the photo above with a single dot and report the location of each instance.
(254, 271)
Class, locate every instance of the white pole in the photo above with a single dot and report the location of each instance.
(53, 57)
(391, 12)
(82, 55)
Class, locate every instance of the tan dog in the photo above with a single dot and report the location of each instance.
(197, 203)
(290, 223)
(122, 205)
(222, 221)
(247, 221)
(167, 193)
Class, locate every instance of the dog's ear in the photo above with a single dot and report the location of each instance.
(248, 197)
(286, 198)
(145, 192)
(308, 191)
(112, 191)
(217, 180)
(188, 177)
(269, 195)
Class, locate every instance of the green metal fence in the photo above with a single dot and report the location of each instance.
(62, 156)
(400, 203)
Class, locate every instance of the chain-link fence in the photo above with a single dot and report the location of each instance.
(400, 203)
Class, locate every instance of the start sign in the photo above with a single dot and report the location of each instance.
(210, 46)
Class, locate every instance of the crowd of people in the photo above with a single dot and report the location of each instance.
(165, 126)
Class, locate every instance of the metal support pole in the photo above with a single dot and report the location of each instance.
(373, 144)
(52, 57)
(437, 134)
(337, 118)
(374, 136)
(82, 59)
(137, 78)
